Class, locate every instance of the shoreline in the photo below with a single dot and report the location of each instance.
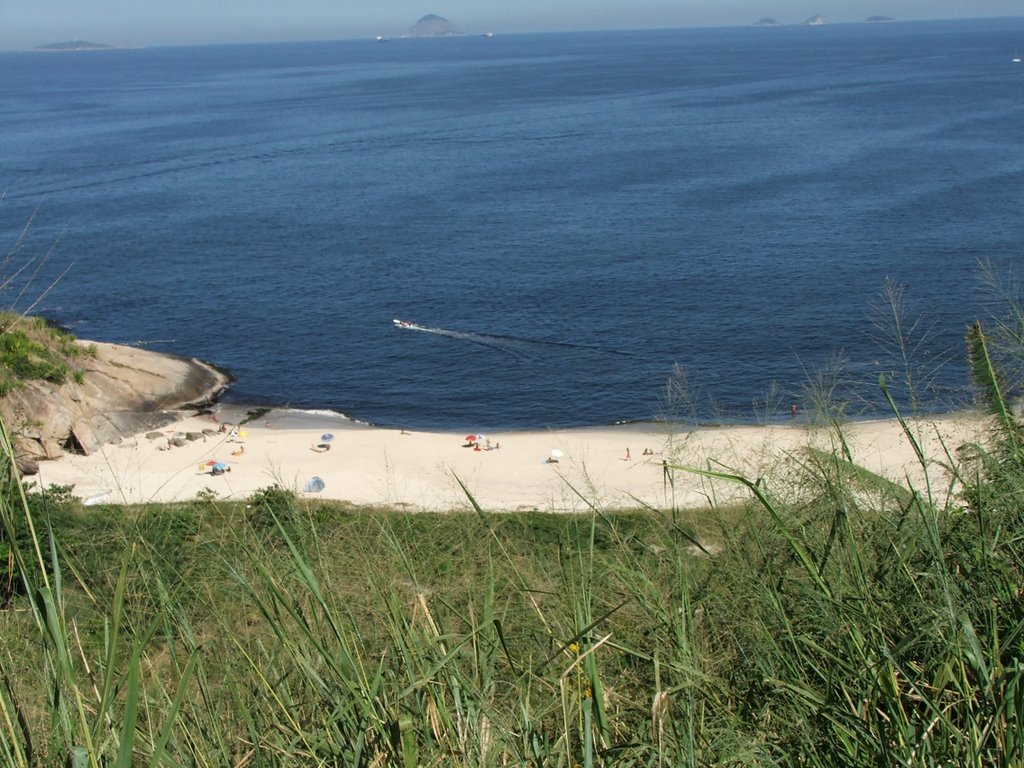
(781, 419)
(555, 470)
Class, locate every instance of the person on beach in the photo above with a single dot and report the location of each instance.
(628, 457)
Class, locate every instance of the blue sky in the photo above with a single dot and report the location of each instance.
(28, 23)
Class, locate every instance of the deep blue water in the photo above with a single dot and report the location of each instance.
(584, 211)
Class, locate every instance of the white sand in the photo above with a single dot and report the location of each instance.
(418, 470)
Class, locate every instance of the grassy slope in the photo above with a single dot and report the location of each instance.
(31, 348)
(836, 627)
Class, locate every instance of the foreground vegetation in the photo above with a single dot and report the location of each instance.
(842, 620)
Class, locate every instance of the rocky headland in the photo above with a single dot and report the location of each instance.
(117, 391)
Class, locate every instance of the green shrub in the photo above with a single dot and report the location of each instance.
(269, 503)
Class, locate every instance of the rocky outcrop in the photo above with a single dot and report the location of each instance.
(432, 25)
(120, 391)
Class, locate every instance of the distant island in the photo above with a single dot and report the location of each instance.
(815, 21)
(878, 19)
(766, 22)
(433, 25)
(75, 45)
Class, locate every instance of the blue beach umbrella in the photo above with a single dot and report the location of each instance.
(326, 437)
(314, 485)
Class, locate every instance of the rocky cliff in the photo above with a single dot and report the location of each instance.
(118, 391)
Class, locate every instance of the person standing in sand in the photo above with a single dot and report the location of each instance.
(628, 457)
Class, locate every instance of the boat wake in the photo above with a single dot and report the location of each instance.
(515, 345)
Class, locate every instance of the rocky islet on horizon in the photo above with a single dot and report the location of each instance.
(433, 25)
(75, 45)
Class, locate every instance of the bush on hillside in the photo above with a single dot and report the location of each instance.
(272, 506)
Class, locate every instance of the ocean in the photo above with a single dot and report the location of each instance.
(578, 219)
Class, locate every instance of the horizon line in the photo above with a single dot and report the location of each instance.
(45, 47)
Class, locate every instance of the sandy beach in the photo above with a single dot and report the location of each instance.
(423, 470)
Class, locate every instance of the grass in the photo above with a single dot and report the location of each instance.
(843, 621)
(31, 348)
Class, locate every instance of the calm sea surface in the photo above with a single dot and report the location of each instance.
(575, 214)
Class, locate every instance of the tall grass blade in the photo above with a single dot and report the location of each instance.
(989, 384)
(126, 747)
(171, 714)
(106, 697)
(17, 736)
(504, 645)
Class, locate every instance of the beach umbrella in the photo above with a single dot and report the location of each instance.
(314, 485)
(470, 438)
(556, 454)
(326, 437)
(480, 438)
